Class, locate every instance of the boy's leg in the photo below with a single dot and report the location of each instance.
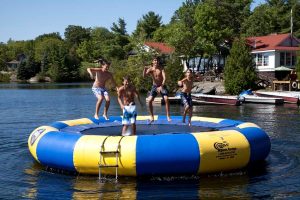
(107, 103)
(98, 105)
(190, 114)
(184, 113)
(190, 102)
(167, 107)
(124, 130)
(133, 129)
(150, 105)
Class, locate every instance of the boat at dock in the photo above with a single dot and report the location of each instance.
(248, 96)
(288, 97)
(215, 99)
(262, 100)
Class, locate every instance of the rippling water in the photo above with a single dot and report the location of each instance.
(25, 107)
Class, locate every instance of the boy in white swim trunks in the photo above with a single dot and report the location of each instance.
(101, 75)
(126, 94)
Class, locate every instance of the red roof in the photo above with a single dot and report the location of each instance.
(161, 47)
(274, 42)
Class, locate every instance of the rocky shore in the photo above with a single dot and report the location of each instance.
(207, 86)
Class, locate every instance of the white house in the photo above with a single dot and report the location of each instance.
(275, 52)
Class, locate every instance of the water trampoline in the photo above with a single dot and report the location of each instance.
(162, 148)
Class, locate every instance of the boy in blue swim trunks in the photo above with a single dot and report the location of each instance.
(101, 76)
(126, 94)
(186, 98)
(158, 75)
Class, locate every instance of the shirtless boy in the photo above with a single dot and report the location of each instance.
(158, 75)
(126, 94)
(186, 98)
(101, 75)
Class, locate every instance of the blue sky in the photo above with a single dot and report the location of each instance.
(27, 19)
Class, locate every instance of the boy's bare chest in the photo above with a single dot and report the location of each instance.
(157, 73)
(103, 75)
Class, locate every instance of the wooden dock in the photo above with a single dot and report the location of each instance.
(161, 101)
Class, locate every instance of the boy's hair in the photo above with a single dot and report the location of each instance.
(126, 78)
(158, 59)
(103, 61)
(188, 70)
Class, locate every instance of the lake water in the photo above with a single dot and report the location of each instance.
(25, 107)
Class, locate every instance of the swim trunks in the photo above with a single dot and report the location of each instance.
(99, 91)
(129, 114)
(186, 99)
(163, 92)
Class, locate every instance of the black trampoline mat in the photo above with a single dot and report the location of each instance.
(147, 129)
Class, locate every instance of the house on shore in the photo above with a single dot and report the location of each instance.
(13, 65)
(274, 55)
(156, 48)
(160, 47)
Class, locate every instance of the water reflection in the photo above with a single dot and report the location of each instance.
(43, 184)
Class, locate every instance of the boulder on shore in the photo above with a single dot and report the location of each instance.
(207, 87)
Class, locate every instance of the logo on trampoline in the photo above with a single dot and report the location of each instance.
(35, 135)
(220, 145)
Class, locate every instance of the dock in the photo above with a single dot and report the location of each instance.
(161, 101)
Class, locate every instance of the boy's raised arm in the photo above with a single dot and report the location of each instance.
(146, 71)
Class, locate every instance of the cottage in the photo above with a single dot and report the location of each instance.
(13, 65)
(274, 53)
(159, 47)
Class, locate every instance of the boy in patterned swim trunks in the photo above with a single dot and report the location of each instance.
(186, 98)
(126, 94)
(101, 76)
(158, 75)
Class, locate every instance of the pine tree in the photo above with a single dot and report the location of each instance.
(240, 73)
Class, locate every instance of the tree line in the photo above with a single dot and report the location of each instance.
(198, 28)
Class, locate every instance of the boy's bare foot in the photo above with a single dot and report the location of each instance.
(151, 119)
(105, 117)
(190, 124)
(96, 116)
(169, 119)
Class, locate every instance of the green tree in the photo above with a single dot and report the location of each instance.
(74, 35)
(273, 17)
(174, 73)
(28, 68)
(119, 28)
(180, 33)
(97, 46)
(147, 26)
(259, 23)
(3, 56)
(120, 42)
(133, 67)
(239, 73)
(47, 52)
(16, 48)
(54, 35)
(219, 22)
